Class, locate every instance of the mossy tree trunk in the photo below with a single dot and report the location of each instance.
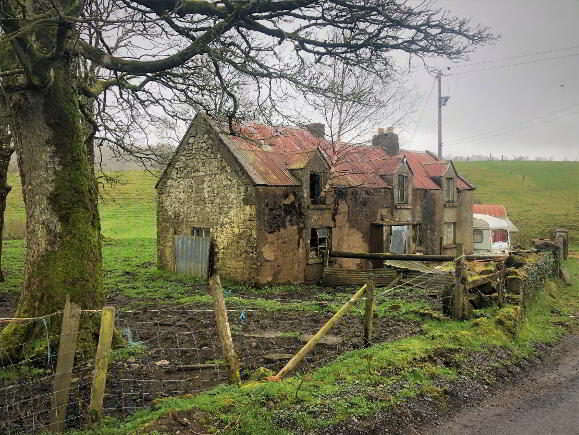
(6, 151)
(63, 254)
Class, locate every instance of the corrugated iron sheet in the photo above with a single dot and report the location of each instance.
(192, 255)
(495, 210)
(420, 178)
(268, 153)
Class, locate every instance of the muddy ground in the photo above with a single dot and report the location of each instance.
(175, 350)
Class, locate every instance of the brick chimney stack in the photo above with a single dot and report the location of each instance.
(316, 129)
(387, 141)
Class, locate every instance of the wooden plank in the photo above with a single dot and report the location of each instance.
(298, 357)
(484, 280)
(223, 329)
(369, 311)
(64, 366)
(101, 364)
(338, 276)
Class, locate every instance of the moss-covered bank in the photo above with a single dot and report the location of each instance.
(360, 384)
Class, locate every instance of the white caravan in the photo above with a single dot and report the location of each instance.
(491, 235)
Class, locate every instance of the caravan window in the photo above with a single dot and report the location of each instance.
(500, 236)
(477, 236)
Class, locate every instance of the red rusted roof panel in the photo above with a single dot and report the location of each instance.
(421, 179)
(495, 210)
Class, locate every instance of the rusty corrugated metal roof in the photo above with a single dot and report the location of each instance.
(268, 153)
(425, 166)
(495, 210)
(421, 179)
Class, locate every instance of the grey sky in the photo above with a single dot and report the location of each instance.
(487, 101)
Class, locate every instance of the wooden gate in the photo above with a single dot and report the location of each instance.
(192, 255)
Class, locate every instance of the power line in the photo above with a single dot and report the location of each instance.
(535, 53)
(422, 112)
(502, 132)
(511, 65)
(526, 121)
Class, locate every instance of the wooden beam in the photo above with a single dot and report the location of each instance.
(64, 366)
(484, 280)
(412, 257)
(298, 357)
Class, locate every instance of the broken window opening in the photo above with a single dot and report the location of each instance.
(200, 232)
(319, 242)
(402, 189)
(315, 188)
(449, 190)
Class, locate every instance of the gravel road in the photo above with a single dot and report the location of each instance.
(546, 402)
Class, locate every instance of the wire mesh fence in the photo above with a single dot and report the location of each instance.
(175, 351)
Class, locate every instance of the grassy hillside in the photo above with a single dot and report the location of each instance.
(127, 206)
(127, 210)
(539, 196)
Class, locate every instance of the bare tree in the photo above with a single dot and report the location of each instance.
(169, 47)
(352, 101)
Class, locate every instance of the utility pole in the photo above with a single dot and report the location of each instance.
(439, 78)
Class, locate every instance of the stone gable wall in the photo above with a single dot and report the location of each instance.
(204, 187)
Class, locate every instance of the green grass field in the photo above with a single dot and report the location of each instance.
(539, 196)
(361, 383)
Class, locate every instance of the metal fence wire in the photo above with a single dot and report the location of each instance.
(166, 352)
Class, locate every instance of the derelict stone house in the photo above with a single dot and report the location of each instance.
(274, 199)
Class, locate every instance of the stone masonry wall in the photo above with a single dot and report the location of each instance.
(464, 221)
(281, 249)
(354, 211)
(205, 188)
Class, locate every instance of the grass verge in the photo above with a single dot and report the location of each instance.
(362, 383)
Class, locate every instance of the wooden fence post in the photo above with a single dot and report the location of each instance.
(298, 357)
(64, 366)
(369, 311)
(458, 291)
(101, 364)
(223, 329)
(502, 283)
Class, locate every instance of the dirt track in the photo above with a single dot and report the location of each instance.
(547, 402)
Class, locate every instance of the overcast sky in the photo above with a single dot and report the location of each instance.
(529, 109)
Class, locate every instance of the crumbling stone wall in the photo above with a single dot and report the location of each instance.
(354, 211)
(281, 248)
(428, 206)
(464, 221)
(204, 187)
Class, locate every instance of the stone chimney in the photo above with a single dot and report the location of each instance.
(387, 141)
(317, 129)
